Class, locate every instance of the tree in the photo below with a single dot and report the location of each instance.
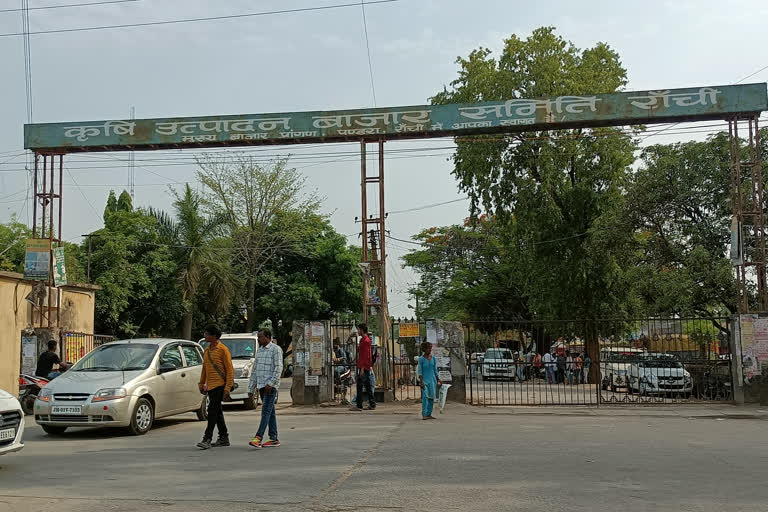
(137, 274)
(465, 273)
(251, 196)
(317, 282)
(679, 203)
(558, 194)
(13, 236)
(201, 252)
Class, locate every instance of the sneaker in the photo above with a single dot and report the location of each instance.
(221, 441)
(355, 408)
(256, 442)
(272, 443)
(204, 444)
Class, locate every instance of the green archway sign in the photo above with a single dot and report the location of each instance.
(422, 121)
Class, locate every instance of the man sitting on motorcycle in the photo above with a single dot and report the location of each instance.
(47, 360)
(339, 358)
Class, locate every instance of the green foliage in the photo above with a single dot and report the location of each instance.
(13, 236)
(556, 196)
(679, 202)
(137, 273)
(202, 255)
(314, 276)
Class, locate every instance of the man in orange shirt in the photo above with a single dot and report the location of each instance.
(216, 380)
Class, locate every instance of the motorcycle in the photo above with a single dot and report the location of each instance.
(341, 383)
(29, 388)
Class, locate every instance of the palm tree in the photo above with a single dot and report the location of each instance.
(202, 252)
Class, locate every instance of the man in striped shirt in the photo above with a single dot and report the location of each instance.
(266, 379)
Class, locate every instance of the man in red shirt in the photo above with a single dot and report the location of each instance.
(364, 368)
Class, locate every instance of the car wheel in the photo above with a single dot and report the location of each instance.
(142, 418)
(250, 403)
(202, 411)
(53, 430)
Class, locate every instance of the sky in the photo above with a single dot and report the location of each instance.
(318, 60)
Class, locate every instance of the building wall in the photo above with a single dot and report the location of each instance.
(16, 314)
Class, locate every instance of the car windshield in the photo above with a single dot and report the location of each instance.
(496, 353)
(662, 362)
(117, 357)
(240, 348)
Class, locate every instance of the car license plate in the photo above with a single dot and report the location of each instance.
(8, 433)
(67, 410)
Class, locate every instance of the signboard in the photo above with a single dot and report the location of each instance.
(420, 121)
(37, 262)
(59, 267)
(28, 354)
(410, 330)
(750, 359)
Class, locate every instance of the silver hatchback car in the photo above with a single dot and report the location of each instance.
(125, 384)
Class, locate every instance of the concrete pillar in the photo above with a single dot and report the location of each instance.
(450, 344)
(304, 390)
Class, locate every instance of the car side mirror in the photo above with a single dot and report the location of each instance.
(167, 367)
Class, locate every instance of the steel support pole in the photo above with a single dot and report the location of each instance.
(364, 222)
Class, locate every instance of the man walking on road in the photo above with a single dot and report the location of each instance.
(364, 369)
(266, 379)
(216, 380)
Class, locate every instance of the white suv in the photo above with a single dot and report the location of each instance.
(498, 363)
(11, 423)
(660, 374)
(243, 348)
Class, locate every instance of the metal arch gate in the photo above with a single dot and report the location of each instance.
(636, 361)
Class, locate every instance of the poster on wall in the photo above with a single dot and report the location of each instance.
(761, 339)
(750, 359)
(28, 354)
(37, 260)
(59, 267)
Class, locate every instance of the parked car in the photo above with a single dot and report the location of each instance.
(11, 423)
(243, 348)
(498, 363)
(660, 374)
(125, 383)
(614, 366)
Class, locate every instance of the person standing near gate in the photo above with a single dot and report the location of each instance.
(585, 367)
(266, 379)
(428, 381)
(364, 369)
(216, 381)
(549, 366)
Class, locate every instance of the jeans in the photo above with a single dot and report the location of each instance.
(520, 373)
(373, 387)
(215, 413)
(365, 383)
(268, 418)
(551, 375)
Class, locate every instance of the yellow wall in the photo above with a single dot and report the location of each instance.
(16, 313)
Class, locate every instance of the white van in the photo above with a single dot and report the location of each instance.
(243, 348)
(615, 363)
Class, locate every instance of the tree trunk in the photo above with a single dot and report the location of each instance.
(593, 349)
(251, 305)
(186, 326)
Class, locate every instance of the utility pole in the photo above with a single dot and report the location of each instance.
(374, 262)
(88, 274)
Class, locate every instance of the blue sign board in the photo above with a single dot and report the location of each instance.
(422, 121)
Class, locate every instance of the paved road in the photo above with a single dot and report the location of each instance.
(469, 459)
